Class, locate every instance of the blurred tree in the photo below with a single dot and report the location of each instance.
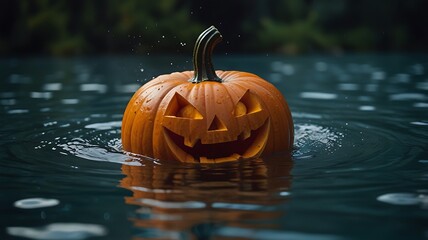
(61, 27)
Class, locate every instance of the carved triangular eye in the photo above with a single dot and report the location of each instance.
(249, 103)
(180, 107)
(217, 124)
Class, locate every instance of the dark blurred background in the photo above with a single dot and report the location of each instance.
(64, 28)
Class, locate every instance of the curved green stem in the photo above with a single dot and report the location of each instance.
(202, 53)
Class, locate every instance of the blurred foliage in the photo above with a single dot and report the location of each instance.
(60, 27)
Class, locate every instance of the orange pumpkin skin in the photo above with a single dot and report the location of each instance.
(207, 116)
(152, 124)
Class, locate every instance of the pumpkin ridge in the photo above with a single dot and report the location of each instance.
(144, 127)
(126, 116)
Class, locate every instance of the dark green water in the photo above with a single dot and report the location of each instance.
(359, 169)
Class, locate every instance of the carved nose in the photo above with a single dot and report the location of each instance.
(217, 125)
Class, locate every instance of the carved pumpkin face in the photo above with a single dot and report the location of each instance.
(207, 116)
(216, 124)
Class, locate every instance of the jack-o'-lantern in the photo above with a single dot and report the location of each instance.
(207, 116)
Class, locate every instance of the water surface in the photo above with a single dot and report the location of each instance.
(359, 169)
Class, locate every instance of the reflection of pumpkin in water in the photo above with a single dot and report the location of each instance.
(177, 198)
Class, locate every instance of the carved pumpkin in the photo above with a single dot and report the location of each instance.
(207, 116)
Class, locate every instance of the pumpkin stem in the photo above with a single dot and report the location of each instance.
(204, 46)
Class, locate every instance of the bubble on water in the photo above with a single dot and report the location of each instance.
(30, 203)
(65, 231)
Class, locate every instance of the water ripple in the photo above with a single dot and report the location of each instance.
(30, 203)
(54, 231)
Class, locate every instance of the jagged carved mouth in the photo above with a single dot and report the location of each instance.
(246, 146)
